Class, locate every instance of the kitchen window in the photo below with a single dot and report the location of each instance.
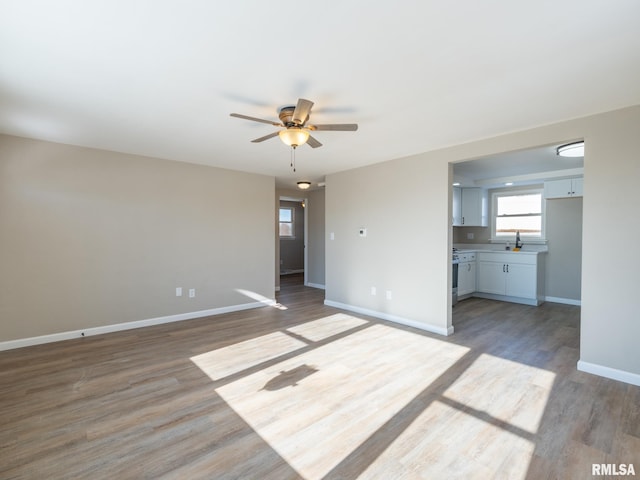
(518, 211)
(286, 223)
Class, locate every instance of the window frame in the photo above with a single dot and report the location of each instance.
(292, 222)
(542, 239)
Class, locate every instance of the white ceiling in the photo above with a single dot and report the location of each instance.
(160, 77)
(523, 167)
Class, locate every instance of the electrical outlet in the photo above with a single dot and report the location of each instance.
(332, 236)
(373, 291)
(470, 236)
(362, 232)
(192, 292)
(389, 295)
(178, 291)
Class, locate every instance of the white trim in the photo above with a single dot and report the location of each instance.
(56, 337)
(535, 302)
(315, 285)
(278, 288)
(392, 318)
(608, 372)
(566, 301)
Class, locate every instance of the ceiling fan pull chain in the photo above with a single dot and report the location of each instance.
(293, 158)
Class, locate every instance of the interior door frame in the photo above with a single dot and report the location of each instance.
(305, 250)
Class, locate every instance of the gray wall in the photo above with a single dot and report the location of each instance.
(292, 249)
(406, 204)
(92, 238)
(564, 260)
(316, 238)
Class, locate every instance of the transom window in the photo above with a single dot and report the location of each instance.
(518, 211)
(286, 222)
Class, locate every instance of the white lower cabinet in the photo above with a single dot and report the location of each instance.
(492, 278)
(467, 274)
(466, 278)
(512, 276)
(522, 280)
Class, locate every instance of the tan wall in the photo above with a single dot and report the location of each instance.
(406, 205)
(403, 206)
(92, 238)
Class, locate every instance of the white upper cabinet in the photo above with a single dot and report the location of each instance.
(475, 205)
(457, 206)
(565, 188)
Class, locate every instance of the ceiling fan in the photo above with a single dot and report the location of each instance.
(294, 119)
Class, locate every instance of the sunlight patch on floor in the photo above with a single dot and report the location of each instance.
(444, 442)
(235, 358)
(351, 387)
(326, 327)
(511, 392)
(261, 298)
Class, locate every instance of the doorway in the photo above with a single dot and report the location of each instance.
(293, 239)
(516, 172)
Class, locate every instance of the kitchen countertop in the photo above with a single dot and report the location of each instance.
(494, 249)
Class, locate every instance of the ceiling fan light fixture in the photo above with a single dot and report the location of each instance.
(575, 149)
(294, 136)
(304, 185)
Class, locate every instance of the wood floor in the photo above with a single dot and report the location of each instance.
(305, 391)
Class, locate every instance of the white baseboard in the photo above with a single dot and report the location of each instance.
(566, 301)
(315, 285)
(56, 337)
(608, 372)
(391, 318)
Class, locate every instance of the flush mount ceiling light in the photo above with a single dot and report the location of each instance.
(304, 185)
(575, 149)
(294, 136)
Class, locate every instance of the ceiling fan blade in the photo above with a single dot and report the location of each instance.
(336, 127)
(301, 113)
(254, 119)
(266, 137)
(313, 143)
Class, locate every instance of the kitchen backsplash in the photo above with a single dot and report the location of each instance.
(480, 234)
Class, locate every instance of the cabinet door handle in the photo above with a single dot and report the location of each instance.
(507, 268)
(463, 220)
(503, 266)
(468, 267)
